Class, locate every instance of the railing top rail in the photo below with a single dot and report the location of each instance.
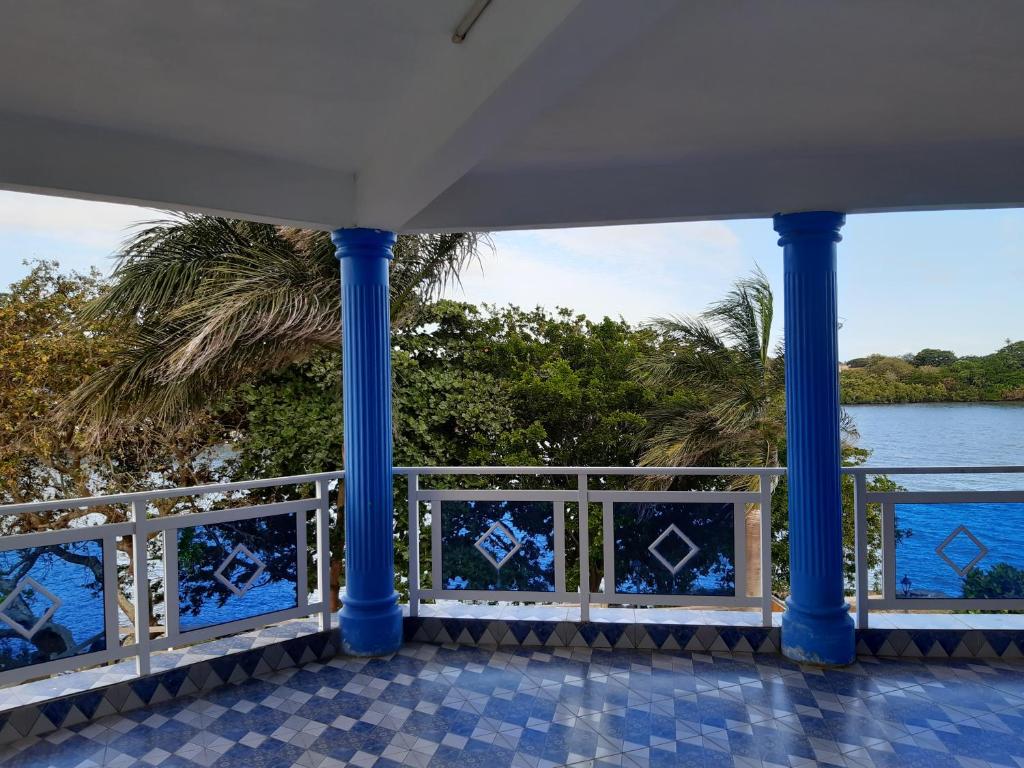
(165, 493)
(240, 485)
(978, 470)
(590, 470)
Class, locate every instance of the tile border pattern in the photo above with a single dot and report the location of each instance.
(603, 635)
(882, 642)
(82, 707)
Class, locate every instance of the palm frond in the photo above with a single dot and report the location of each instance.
(725, 355)
(204, 302)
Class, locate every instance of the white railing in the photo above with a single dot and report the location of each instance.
(141, 527)
(612, 521)
(895, 595)
(433, 502)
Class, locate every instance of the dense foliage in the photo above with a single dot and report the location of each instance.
(1002, 580)
(935, 375)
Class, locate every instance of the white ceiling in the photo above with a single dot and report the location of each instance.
(553, 112)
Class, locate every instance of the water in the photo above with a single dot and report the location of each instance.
(949, 434)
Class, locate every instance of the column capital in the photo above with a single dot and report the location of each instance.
(808, 225)
(361, 241)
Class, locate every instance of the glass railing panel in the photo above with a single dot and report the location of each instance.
(674, 548)
(959, 550)
(236, 570)
(498, 545)
(51, 603)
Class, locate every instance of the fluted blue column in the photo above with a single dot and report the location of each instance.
(816, 626)
(371, 621)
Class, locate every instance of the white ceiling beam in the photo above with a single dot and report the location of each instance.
(56, 158)
(415, 163)
(711, 186)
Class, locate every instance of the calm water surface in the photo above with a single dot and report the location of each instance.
(949, 434)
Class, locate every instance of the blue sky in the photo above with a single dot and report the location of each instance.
(949, 279)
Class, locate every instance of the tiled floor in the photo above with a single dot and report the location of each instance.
(461, 706)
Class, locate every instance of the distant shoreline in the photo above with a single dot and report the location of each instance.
(1012, 401)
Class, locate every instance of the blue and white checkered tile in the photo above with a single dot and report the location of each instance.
(449, 706)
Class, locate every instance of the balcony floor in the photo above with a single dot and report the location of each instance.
(462, 706)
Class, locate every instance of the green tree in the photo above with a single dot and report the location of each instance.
(935, 375)
(936, 358)
(729, 410)
(729, 406)
(472, 386)
(1000, 581)
(203, 303)
(202, 306)
(47, 347)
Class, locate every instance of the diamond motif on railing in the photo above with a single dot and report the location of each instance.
(982, 551)
(240, 551)
(493, 537)
(672, 529)
(28, 583)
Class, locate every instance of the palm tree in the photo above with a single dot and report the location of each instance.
(730, 404)
(203, 303)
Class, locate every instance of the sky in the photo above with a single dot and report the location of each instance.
(950, 279)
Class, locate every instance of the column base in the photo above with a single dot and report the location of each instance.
(371, 627)
(824, 637)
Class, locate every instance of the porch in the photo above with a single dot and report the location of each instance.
(457, 116)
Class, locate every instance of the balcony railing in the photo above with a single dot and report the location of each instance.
(584, 537)
(659, 548)
(224, 571)
(927, 560)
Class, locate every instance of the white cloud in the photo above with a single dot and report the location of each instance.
(82, 222)
(690, 242)
(637, 272)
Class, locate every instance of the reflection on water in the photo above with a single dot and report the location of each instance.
(52, 603)
(674, 549)
(497, 545)
(236, 570)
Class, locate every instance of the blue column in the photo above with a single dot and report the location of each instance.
(816, 626)
(371, 621)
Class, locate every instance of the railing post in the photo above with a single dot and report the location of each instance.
(140, 569)
(860, 535)
(583, 503)
(766, 548)
(323, 549)
(413, 484)
(560, 544)
(301, 561)
(111, 613)
(888, 552)
(170, 582)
